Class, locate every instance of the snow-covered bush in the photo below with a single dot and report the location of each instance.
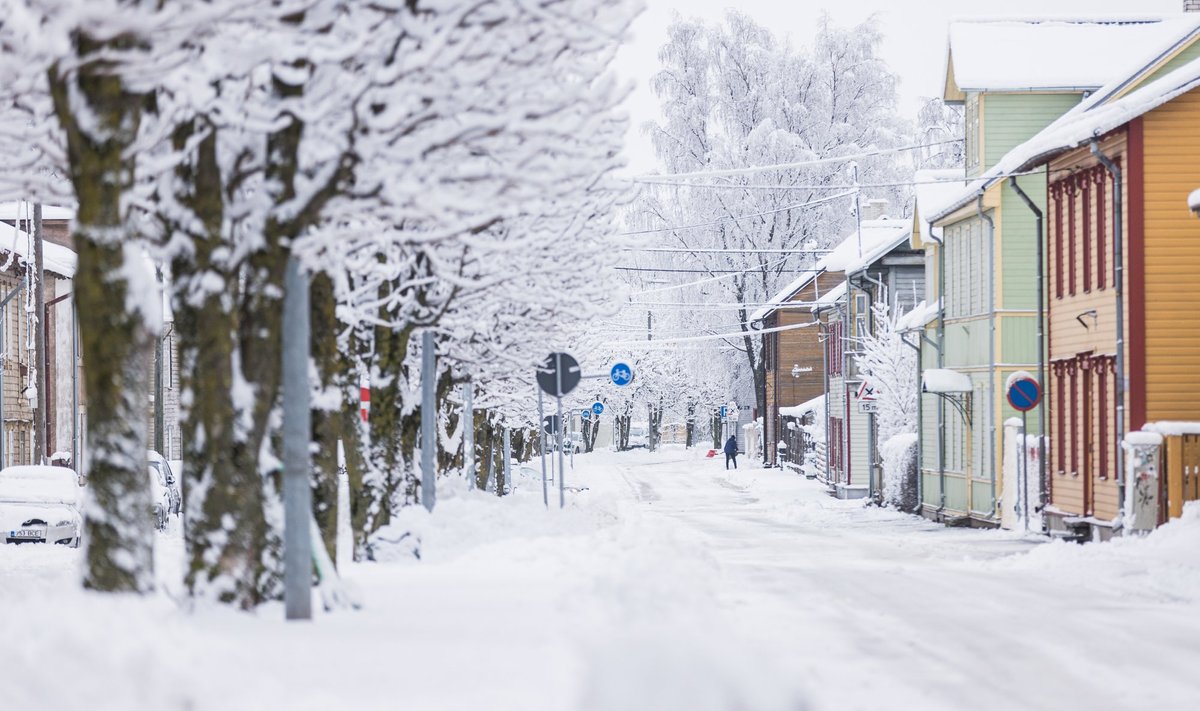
(900, 471)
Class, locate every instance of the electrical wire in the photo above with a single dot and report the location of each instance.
(710, 271)
(717, 336)
(708, 280)
(797, 164)
(729, 250)
(735, 218)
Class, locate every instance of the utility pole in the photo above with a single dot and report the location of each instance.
(39, 298)
(297, 435)
(469, 433)
(650, 406)
(159, 417)
(428, 425)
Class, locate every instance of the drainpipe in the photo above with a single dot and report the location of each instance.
(1119, 279)
(825, 367)
(873, 445)
(941, 363)
(1041, 342)
(920, 417)
(991, 346)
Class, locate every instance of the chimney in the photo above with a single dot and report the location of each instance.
(1191, 5)
(875, 209)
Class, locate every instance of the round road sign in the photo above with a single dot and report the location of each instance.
(559, 374)
(586, 415)
(1024, 392)
(597, 408)
(621, 374)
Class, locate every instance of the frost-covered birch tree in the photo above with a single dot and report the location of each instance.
(734, 96)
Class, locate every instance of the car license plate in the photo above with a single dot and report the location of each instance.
(28, 533)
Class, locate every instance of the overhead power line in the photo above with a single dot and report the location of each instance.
(716, 336)
(735, 218)
(708, 280)
(728, 250)
(712, 271)
(787, 166)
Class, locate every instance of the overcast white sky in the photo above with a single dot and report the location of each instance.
(914, 39)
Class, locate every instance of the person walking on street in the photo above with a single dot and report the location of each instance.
(731, 452)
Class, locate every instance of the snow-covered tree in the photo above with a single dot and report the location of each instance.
(734, 96)
(891, 367)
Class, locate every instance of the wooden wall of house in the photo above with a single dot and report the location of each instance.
(1171, 136)
(801, 347)
(1081, 324)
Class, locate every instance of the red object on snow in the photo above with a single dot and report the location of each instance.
(711, 453)
(364, 396)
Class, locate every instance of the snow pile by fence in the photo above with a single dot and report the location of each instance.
(900, 471)
(1161, 566)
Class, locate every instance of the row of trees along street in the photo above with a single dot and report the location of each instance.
(441, 167)
(424, 162)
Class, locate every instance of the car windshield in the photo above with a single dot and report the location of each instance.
(156, 472)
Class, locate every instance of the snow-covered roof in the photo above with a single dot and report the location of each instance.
(878, 238)
(934, 190)
(832, 296)
(804, 408)
(1049, 54)
(944, 380)
(24, 210)
(920, 315)
(1194, 200)
(1073, 130)
(55, 258)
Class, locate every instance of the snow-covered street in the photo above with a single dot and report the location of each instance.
(665, 584)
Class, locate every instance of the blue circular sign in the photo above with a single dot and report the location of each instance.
(621, 374)
(586, 415)
(597, 408)
(1024, 394)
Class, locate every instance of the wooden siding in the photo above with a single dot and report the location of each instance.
(1188, 54)
(1081, 324)
(1011, 119)
(801, 347)
(1016, 277)
(1172, 254)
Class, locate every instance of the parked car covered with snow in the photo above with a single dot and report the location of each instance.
(170, 478)
(40, 504)
(160, 495)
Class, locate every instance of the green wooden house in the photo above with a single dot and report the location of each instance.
(1013, 78)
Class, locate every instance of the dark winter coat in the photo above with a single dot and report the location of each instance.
(731, 446)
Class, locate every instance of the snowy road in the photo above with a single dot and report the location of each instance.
(666, 584)
(876, 610)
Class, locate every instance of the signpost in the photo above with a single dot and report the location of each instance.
(1024, 393)
(558, 376)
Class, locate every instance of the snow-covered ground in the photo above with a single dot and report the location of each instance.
(665, 584)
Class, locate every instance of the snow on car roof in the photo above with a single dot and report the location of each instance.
(39, 484)
(1049, 54)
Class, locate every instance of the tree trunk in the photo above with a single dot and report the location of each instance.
(116, 340)
(335, 412)
(218, 492)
